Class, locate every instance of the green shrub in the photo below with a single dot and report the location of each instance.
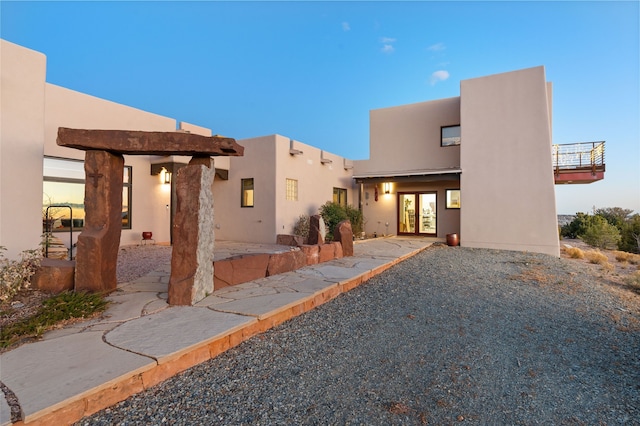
(630, 235)
(332, 214)
(577, 226)
(601, 234)
(15, 275)
(356, 219)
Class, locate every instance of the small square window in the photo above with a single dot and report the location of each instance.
(247, 193)
(453, 198)
(450, 135)
(292, 190)
(340, 196)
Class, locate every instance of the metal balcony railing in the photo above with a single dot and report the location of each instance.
(579, 156)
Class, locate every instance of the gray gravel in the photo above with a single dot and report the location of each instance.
(137, 261)
(450, 335)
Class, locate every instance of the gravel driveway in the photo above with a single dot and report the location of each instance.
(451, 335)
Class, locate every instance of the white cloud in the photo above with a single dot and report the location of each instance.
(345, 26)
(387, 48)
(438, 47)
(440, 75)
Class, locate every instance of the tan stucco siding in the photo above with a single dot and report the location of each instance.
(233, 222)
(22, 89)
(508, 195)
(385, 210)
(68, 108)
(316, 181)
(407, 137)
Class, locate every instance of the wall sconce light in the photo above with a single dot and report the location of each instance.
(387, 187)
(166, 178)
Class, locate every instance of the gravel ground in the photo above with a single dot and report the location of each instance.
(450, 335)
(137, 261)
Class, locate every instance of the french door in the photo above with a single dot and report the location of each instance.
(417, 213)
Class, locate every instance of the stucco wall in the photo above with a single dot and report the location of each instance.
(315, 181)
(508, 195)
(378, 213)
(68, 108)
(233, 222)
(22, 89)
(407, 137)
(268, 161)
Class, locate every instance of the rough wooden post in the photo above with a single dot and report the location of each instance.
(99, 241)
(192, 255)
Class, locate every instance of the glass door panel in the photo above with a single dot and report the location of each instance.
(407, 219)
(427, 214)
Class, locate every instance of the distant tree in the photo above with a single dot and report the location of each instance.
(616, 216)
(630, 235)
(577, 226)
(601, 234)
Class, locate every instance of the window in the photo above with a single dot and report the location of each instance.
(63, 185)
(292, 190)
(340, 196)
(247, 192)
(450, 135)
(453, 198)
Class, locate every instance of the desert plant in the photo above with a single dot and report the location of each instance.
(301, 227)
(622, 256)
(332, 213)
(596, 257)
(577, 226)
(15, 275)
(574, 252)
(601, 234)
(356, 219)
(630, 235)
(58, 308)
(608, 267)
(633, 281)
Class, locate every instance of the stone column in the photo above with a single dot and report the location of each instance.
(98, 243)
(192, 255)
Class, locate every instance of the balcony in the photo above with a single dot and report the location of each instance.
(581, 162)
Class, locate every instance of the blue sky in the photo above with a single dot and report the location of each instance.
(313, 70)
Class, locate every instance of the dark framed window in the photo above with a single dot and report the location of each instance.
(453, 198)
(63, 185)
(450, 135)
(246, 197)
(340, 196)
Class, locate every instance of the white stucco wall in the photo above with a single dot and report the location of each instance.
(268, 161)
(316, 181)
(508, 194)
(22, 89)
(407, 137)
(68, 108)
(233, 222)
(378, 213)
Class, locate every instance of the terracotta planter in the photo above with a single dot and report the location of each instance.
(147, 235)
(452, 240)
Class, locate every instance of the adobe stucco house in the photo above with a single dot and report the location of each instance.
(481, 165)
(35, 171)
(478, 165)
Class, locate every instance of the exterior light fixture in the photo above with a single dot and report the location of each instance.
(387, 187)
(166, 176)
